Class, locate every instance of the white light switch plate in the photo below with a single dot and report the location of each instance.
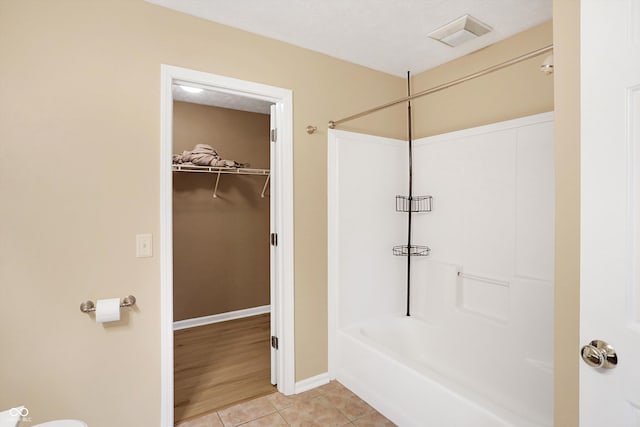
(144, 245)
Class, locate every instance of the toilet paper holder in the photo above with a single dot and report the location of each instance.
(88, 306)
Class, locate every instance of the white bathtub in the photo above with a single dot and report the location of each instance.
(417, 375)
(478, 348)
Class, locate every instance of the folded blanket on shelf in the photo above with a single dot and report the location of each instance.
(205, 155)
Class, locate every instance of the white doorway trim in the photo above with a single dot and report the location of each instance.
(282, 186)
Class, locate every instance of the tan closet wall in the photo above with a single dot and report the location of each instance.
(221, 246)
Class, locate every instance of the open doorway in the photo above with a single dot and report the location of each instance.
(227, 242)
(221, 255)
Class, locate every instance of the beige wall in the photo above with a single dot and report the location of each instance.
(566, 40)
(221, 245)
(79, 177)
(516, 91)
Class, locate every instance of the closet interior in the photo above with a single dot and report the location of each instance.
(221, 265)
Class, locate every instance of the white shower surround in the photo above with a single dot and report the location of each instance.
(475, 351)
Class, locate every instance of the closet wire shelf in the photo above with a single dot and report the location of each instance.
(413, 250)
(181, 167)
(415, 204)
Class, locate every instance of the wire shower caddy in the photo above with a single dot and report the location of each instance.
(413, 250)
(413, 204)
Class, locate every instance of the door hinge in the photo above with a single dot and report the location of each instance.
(274, 342)
(274, 239)
(274, 135)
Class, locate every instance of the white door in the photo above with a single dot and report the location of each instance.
(273, 248)
(610, 209)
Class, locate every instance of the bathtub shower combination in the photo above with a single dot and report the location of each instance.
(477, 349)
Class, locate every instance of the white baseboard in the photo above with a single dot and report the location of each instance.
(222, 317)
(312, 382)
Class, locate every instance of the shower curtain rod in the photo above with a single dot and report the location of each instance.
(534, 53)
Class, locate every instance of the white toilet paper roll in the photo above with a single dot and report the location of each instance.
(108, 310)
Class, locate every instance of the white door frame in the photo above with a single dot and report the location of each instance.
(282, 186)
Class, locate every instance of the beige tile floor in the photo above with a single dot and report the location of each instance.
(329, 405)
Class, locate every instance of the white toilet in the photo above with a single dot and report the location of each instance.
(12, 417)
(63, 423)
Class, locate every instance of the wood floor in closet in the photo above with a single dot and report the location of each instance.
(221, 364)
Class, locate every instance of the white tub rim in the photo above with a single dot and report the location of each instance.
(462, 391)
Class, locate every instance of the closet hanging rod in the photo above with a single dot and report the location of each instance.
(332, 124)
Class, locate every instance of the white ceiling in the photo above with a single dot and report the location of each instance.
(221, 99)
(385, 35)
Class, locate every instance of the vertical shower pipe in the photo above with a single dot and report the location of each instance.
(410, 195)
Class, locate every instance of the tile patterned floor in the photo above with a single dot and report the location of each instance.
(329, 405)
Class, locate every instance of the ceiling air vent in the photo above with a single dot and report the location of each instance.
(460, 31)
